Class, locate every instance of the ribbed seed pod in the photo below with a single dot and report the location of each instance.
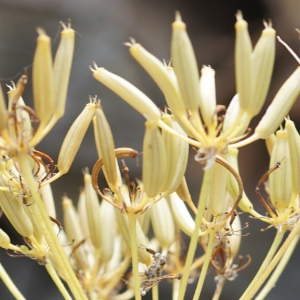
(243, 63)
(183, 191)
(42, 77)
(48, 199)
(92, 211)
(280, 106)
(128, 92)
(232, 186)
(107, 230)
(185, 64)
(162, 223)
(14, 211)
(82, 215)
(154, 161)
(74, 138)
(262, 68)
(181, 214)
(160, 75)
(234, 240)
(144, 220)
(123, 225)
(4, 240)
(74, 232)
(117, 255)
(62, 69)
(294, 149)
(280, 181)
(3, 111)
(270, 141)
(208, 95)
(106, 145)
(216, 202)
(176, 157)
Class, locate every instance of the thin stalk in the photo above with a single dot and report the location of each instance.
(219, 289)
(155, 292)
(278, 271)
(266, 262)
(41, 215)
(89, 285)
(207, 179)
(10, 284)
(51, 271)
(205, 266)
(132, 218)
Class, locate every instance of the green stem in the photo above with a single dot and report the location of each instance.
(10, 284)
(132, 218)
(278, 271)
(266, 262)
(205, 266)
(41, 215)
(194, 239)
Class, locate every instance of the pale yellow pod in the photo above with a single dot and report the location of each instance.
(263, 57)
(48, 200)
(207, 87)
(92, 211)
(62, 69)
(82, 215)
(234, 240)
(280, 181)
(4, 240)
(123, 225)
(243, 63)
(160, 75)
(176, 157)
(42, 78)
(162, 223)
(270, 141)
(74, 232)
(280, 106)
(128, 92)
(14, 211)
(294, 149)
(181, 214)
(185, 64)
(3, 111)
(74, 138)
(154, 161)
(107, 230)
(144, 220)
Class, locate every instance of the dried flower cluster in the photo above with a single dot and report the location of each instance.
(99, 240)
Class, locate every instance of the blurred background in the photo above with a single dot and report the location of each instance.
(102, 26)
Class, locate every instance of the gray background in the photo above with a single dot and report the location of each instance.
(102, 27)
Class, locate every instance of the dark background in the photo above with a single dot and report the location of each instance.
(102, 27)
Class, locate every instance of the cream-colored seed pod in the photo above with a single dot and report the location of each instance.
(185, 64)
(270, 141)
(279, 107)
(14, 211)
(154, 162)
(107, 230)
(92, 211)
(263, 57)
(234, 240)
(74, 138)
(62, 69)
(4, 240)
(243, 63)
(294, 149)
(280, 181)
(144, 220)
(163, 223)
(82, 215)
(48, 200)
(42, 77)
(128, 92)
(208, 95)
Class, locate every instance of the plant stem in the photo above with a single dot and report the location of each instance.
(41, 215)
(205, 266)
(155, 292)
(194, 239)
(10, 284)
(132, 218)
(278, 271)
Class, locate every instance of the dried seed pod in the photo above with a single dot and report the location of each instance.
(185, 64)
(243, 63)
(163, 223)
(43, 79)
(280, 181)
(154, 160)
(4, 240)
(74, 138)
(82, 215)
(62, 69)
(128, 92)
